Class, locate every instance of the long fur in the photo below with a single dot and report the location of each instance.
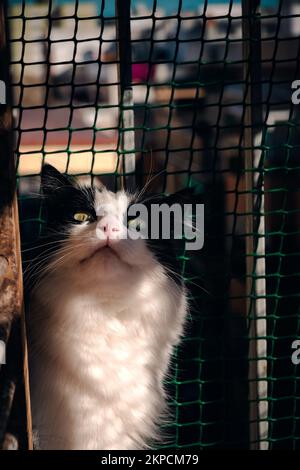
(102, 327)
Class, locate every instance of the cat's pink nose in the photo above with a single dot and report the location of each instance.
(110, 230)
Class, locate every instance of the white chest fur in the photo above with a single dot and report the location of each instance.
(97, 362)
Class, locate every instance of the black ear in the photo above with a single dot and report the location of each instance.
(183, 196)
(52, 180)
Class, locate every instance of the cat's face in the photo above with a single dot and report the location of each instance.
(91, 226)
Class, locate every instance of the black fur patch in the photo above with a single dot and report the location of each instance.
(63, 198)
(168, 251)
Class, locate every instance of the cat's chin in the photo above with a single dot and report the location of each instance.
(104, 251)
(105, 260)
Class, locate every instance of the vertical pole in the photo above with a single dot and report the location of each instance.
(127, 140)
(11, 285)
(252, 121)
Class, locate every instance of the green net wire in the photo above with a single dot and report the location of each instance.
(189, 90)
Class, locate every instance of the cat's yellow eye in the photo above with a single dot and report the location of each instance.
(82, 217)
(132, 222)
(136, 223)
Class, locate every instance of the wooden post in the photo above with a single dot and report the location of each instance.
(11, 285)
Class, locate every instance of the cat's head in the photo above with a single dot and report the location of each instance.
(91, 227)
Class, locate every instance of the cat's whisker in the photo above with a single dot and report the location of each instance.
(41, 259)
(151, 198)
(150, 171)
(142, 192)
(53, 242)
(99, 327)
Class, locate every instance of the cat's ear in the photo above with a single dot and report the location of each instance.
(183, 196)
(52, 180)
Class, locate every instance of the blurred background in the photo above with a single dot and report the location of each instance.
(189, 82)
(64, 55)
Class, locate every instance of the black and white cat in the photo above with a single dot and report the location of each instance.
(103, 318)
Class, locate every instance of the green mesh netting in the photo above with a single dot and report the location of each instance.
(233, 382)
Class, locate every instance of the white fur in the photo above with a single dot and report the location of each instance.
(101, 334)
